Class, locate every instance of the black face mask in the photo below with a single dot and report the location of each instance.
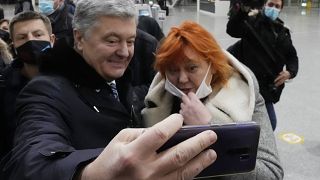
(5, 36)
(30, 51)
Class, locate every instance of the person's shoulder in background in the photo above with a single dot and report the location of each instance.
(1, 12)
(151, 26)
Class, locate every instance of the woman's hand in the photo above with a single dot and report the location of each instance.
(193, 110)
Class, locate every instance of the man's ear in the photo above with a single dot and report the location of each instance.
(52, 39)
(78, 37)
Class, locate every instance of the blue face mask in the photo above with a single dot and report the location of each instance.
(271, 12)
(46, 7)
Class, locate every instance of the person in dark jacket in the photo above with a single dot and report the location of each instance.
(151, 26)
(30, 33)
(58, 13)
(71, 6)
(265, 47)
(141, 66)
(70, 120)
(1, 12)
(23, 5)
(4, 30)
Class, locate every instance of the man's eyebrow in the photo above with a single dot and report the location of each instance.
(118, 35)
(34, 31)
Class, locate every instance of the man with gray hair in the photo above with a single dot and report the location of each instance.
(73, 119)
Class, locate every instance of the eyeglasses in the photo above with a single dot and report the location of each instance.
(271, 4)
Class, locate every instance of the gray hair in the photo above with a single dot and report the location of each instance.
(88, 12)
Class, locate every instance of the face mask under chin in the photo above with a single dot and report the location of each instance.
(203, 90)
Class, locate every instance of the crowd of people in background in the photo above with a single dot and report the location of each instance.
(80, 82)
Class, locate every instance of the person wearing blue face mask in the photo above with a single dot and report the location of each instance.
(265, 47)
(31, 34)
(58, 13)
(272, 9)
(46, 7)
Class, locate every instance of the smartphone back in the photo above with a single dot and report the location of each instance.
(236, 147)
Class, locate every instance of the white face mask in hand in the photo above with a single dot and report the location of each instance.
(204, 90)
(173, 89)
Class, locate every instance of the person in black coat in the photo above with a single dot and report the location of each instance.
(1, 12)
(23, 5)
(151, 26)
(70, 120)
(71, 6)
(265, 47)
(23, 68)
(141, 66)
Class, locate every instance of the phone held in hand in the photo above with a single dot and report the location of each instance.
(236, 146)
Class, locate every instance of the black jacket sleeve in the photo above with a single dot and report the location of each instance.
(42, 145)
(235, 26)
(291, 58)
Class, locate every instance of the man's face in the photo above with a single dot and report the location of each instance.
(108, 46)
(274, 3)
(30, 30)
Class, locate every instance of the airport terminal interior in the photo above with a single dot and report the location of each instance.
(298, 112)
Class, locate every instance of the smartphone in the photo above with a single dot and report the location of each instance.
(236, 147)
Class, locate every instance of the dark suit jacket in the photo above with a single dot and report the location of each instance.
(66, 116)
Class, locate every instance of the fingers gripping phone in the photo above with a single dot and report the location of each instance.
(236, 146)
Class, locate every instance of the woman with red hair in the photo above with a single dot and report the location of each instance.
(206, 84)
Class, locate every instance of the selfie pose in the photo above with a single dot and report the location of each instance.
(206, 84)
(72, 119)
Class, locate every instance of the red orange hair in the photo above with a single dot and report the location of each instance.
(191, 35)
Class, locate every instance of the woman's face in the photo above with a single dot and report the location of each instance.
(4, 26)
(188, 75)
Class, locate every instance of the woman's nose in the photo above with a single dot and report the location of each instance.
(183, 77)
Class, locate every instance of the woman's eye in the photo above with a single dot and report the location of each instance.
(193, 68)
(172, 71)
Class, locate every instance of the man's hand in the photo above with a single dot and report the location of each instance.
(132, 154)
(193, 110)
(282, 77)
